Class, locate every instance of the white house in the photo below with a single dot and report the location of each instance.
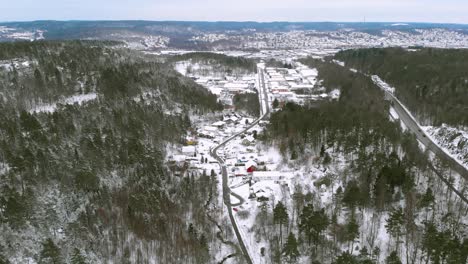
(189, 150)
(218, 124)
(244, 157)
(267, 176)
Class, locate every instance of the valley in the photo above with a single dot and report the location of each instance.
(114, 155)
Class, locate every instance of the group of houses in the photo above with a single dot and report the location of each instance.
(298, 84)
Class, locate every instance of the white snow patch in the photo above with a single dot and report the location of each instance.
(393, 114)
(341, 63)
(383, 85)
(452, 140)
(50, 108)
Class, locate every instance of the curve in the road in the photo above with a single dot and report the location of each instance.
(227, 191)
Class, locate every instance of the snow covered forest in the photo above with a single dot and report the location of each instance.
(83, 181)
(380, 199)
(87, 129)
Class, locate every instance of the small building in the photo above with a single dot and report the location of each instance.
(267, 176)
(244, 157)
(251, 166)
(189, 150)
(210, 129)
(179, 158)
(240, 172)
(218, 124)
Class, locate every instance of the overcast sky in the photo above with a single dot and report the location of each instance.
(447, 11)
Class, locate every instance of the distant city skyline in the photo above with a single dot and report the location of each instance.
(432, 11)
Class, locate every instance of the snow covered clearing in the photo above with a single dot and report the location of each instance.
(79, 99)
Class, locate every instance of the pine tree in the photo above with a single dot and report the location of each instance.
(77, 257)
(346, 258)
(427, 199)
(280, 216)
(293, 155)
(192, 231)
(313, 223)
(395, 223)
(352, 196)
(290, 248)
(327, 159)
(322, 151)
(50, 253)
(376, 253)
(352, 232)
(275, 103)
(3, 259)
(393, 258)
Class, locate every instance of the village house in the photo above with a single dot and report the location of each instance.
(189, 150)
(267, 176)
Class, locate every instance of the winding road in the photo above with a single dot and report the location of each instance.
(265, 110)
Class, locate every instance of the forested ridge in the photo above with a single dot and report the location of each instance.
(385, 180)
(432, 83)
(87, 183)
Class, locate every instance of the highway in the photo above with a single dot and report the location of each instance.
(262, 93)
(265, 110)
(413, 125)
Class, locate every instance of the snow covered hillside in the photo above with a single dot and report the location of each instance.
(454, 141)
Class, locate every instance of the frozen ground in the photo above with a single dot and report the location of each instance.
(75, 99)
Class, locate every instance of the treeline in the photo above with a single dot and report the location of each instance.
(216, 58)
(382, 171)
(431, 82)
(61, 69)
(13, 50)
(247, 102)
(96, 172)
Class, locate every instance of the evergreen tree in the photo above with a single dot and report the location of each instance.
(352, 232)
(275, 103)
(313, 223)
(393, 258)
(50, 253)
(352, 195)
(346, 258)
(293, 155)
(29, 122)
(280, 216)
(87, 181)
(327, 159)
(77, 257)
(395, 223)
(427, 199)
(290, 248)
(4, 260)
(322, 151)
